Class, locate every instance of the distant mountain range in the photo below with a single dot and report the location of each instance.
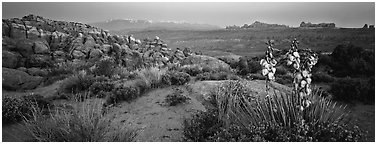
(125, 25)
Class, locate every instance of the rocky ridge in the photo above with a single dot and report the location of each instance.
(33, 44)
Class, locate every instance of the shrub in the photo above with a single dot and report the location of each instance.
(100, 89)
(281, 70)
(87, 123)
(178, 78)
(16, 109)
(126, 91)
(77, 83)
(104, 67)
(349, 60)
(176, 98)
(351, 90)
(201, 126)
(322, 77)
(248, 65)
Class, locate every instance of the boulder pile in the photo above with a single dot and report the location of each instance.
(35, 44)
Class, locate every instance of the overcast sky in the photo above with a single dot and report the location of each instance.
(221, 14)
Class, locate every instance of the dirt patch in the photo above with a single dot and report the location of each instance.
(152, 118)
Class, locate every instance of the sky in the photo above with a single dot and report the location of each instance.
(343, 14)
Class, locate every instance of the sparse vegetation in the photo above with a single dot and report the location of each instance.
(86, 123)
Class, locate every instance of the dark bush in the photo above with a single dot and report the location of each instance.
(100, 89)
(176, 78)
(176, 98)
(349, 60)
(248, 65)
(125, 91)
(281, 70)
(16, 109)
(322, 77)
(105, 67)
(353, 89)
(201, 126)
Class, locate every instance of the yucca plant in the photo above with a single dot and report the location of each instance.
(237, 105)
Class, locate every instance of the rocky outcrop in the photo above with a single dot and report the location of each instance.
(202, 60)
(34, 44)
(19, 80)
(257, 25)
(320, 25)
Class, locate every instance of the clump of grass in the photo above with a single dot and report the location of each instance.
(85, 123)
(152, 76)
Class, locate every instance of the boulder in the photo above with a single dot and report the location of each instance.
(41, 47)
(6, 29)
(9, 44)
(106, 48)
(33, 33)
(24, 47)
(37, 72)
(22, 69)
(204, 61)
(95, 53)
(116, 47)
(39, 60)
(18, 80)
(78, 54)
(59, 53)
(89, 43)
(17, 31)
(10, 59)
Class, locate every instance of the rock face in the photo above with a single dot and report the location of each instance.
(10, 59)
(41, 47)
(19, 80)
